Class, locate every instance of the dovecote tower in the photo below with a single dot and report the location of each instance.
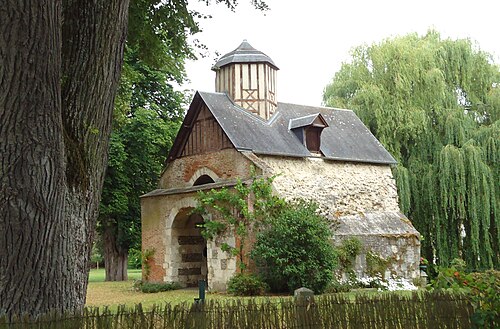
(248, 76)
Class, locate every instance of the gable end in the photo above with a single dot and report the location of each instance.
(200, 133)
(206, 135)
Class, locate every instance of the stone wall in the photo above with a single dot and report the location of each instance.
(401, 253)
(176, 260)
(363, 202)
(340, 188)
(153, 218)
(221, 266)
(350, 191)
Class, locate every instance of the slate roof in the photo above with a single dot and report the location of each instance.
(245, 53)
(346, 137)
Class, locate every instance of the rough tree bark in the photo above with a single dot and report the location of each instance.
(115, 257)
(59, 67)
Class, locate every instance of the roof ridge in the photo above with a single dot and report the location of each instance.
(313, 106)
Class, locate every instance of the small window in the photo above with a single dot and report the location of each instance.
(313, 135)
(203, 179)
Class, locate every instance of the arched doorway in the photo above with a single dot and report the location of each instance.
(189, 248)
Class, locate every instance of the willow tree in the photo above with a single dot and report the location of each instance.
(435, 105)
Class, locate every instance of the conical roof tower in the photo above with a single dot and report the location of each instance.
(248, 76)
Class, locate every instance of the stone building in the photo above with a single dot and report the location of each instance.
(321, 153)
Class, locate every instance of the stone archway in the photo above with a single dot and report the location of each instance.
(203, 171)
(188, 248)
(203, 179)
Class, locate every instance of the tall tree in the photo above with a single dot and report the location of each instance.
(59, 72)
(435, 105)
(147, 112)
(138, 148)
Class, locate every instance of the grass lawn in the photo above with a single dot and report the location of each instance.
(99, 275)
(113, 294)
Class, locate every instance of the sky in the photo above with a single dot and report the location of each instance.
(309, 40)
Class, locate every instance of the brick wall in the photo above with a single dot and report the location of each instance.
(225, 164)
(158, 214)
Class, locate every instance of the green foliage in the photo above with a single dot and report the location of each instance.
(148, 110)
(335, 286)
(294, 250)
(246, 284)
(435, 105)
(376, 265)
(347, 252)
(96, 254)
(483, 290)
(239, 210)
(154, 287)
(147, 255)
(138, 149)
(134, 258)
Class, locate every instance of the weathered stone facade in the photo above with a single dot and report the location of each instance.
(222, 165)
(341, 188)
(180, 253)
(359, 198)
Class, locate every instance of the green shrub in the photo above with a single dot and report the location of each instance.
(347, 252)
(147, 256)
(295, 249)
(485, 293)
(245, 284)
(376, 265)
(483, 290)
(134, 258)
(153, 287)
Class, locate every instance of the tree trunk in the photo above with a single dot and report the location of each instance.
(115, 257)
(59, 70)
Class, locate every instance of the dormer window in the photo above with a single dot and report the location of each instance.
(308, 130)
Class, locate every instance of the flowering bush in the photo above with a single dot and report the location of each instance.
(481, 288)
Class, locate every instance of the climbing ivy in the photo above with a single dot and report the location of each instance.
(239, 211)
(435, 105)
